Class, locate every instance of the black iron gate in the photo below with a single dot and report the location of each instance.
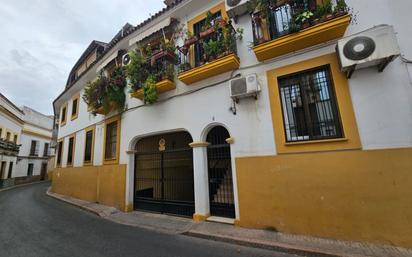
(220, 174)
(164, 182)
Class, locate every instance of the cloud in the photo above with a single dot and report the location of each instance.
(42, 40)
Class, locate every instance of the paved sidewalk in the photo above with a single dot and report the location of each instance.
(300, 245)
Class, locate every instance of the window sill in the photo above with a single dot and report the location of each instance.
(317, 141)
(74, 117)
(88, 164)
(110, 162)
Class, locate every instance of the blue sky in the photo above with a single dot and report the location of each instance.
(42, 39)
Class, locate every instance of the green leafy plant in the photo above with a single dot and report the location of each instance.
(208, 21)
(303, 17)
(341, 7)
(106, 92)
(94, 93)
(149, 90)
(259, 6)
(212, 48)
(137, 70)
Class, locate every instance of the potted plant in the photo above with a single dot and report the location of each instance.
(212, 48)
(106, 93)
(327, 10)
(137, 70)
(341, 8)
(304, 19)
(149, 90)
(293, 26)
(184, 67)
(190, 39)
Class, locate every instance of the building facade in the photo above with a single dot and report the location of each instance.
(25, 138)
(314, 150)
(35, 151)
(11, 125)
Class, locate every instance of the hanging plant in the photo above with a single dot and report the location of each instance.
(137, 70)
(106, 94)
(149, 90)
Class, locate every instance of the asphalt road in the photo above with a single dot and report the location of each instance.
(33, 224)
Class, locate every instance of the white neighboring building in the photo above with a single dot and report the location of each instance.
(35, 141)
(25, 137)
(11, 125)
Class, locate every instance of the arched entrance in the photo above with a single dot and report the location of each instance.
(220, 173)
(164, 174)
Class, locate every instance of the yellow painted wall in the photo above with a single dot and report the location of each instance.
(101, 184)
(350, 195)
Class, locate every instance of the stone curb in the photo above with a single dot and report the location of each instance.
(248, 243)
(23, 185)
(62, 199)
(278, 247)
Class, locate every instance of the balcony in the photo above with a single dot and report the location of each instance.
(161, 87)
(157, 71)
(8, 148)
(209, 53)
(296, 25)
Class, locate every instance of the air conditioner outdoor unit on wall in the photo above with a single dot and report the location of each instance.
(236, 8)
(126, 59)
(374, 47)
(244, 87)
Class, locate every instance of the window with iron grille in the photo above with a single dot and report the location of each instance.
(197, 28)
(34, 149)
(74, 107)
(309, 106)
(46, 150)
(30, 170)
(88, 147)
(70, 151)
(64, 111)
(111, 141)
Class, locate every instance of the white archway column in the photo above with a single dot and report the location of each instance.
(201, 181)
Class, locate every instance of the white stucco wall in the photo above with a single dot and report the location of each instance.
(382, 101)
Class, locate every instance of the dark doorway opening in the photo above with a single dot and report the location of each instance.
(164, 174)
(221, 195)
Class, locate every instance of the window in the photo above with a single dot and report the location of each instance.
(34, 148)
(309, 106)
(10, 170)
(2, 169)
(75, 108)
(63, 116)
(89, 146)
(197, 28)
(30, 170)
(70, 151)
(1, 133)
(8, 136)
(59, 153)
(15, 139)
(46, 150)
(112, 140)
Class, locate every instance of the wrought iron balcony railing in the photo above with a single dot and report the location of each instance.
(285, 17)
(209, 45)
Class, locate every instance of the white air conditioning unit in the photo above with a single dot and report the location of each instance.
(126, 59)
(374, 47)
(235, 8)
(244, 87)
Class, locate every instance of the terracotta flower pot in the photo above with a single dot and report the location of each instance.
(207, 32)
(191, 41)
